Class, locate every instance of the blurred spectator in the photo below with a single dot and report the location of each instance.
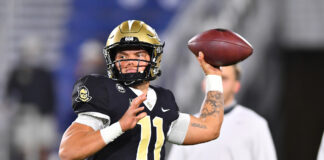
(244, 134)
(91, 59)
(30, 97)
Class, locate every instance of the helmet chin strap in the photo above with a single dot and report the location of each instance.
(132, 78)
(132, 83)
(129, 83)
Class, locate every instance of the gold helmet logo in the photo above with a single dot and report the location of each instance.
(83, 94)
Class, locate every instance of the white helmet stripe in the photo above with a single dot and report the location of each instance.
(130, 24)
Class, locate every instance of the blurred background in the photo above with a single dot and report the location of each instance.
(46, 45)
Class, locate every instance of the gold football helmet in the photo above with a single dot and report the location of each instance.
(134, 34)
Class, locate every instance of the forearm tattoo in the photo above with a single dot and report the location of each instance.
(215, 103)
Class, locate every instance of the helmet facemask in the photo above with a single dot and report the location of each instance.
(150, 72)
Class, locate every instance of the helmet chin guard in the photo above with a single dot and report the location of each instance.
(133, 35)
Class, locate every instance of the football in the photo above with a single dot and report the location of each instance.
(221, 47)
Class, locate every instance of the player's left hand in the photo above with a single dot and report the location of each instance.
(131, 116)
(208, 69)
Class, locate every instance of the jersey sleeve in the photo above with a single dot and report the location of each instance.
(94, 120)
(89, 95)
(179, 127)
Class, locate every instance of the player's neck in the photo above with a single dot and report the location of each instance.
(143, 86)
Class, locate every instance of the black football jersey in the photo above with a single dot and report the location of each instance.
(95, 93)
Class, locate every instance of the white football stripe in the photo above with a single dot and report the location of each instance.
(130, 24)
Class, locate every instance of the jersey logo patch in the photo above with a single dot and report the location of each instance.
(120, 88)
(164, 110)
(83, 94)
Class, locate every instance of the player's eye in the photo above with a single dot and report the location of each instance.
(121, 57)
(140, 55)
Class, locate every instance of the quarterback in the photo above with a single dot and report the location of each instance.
(121, 116)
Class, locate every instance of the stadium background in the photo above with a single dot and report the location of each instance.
(282, 81)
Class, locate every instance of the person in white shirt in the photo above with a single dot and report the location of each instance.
(320, 155)
(245, 135)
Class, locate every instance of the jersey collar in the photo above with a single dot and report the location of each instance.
(150, 98)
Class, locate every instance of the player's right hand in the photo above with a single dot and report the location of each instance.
(131, 116)
(207, 68)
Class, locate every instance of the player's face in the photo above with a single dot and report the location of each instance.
(230, 84)
(131, 66)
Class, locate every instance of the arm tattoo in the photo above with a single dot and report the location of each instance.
(214, 103)
(198, 125)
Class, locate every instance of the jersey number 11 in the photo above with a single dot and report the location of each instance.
(142, 150)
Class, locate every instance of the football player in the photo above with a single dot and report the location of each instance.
(123, 117)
